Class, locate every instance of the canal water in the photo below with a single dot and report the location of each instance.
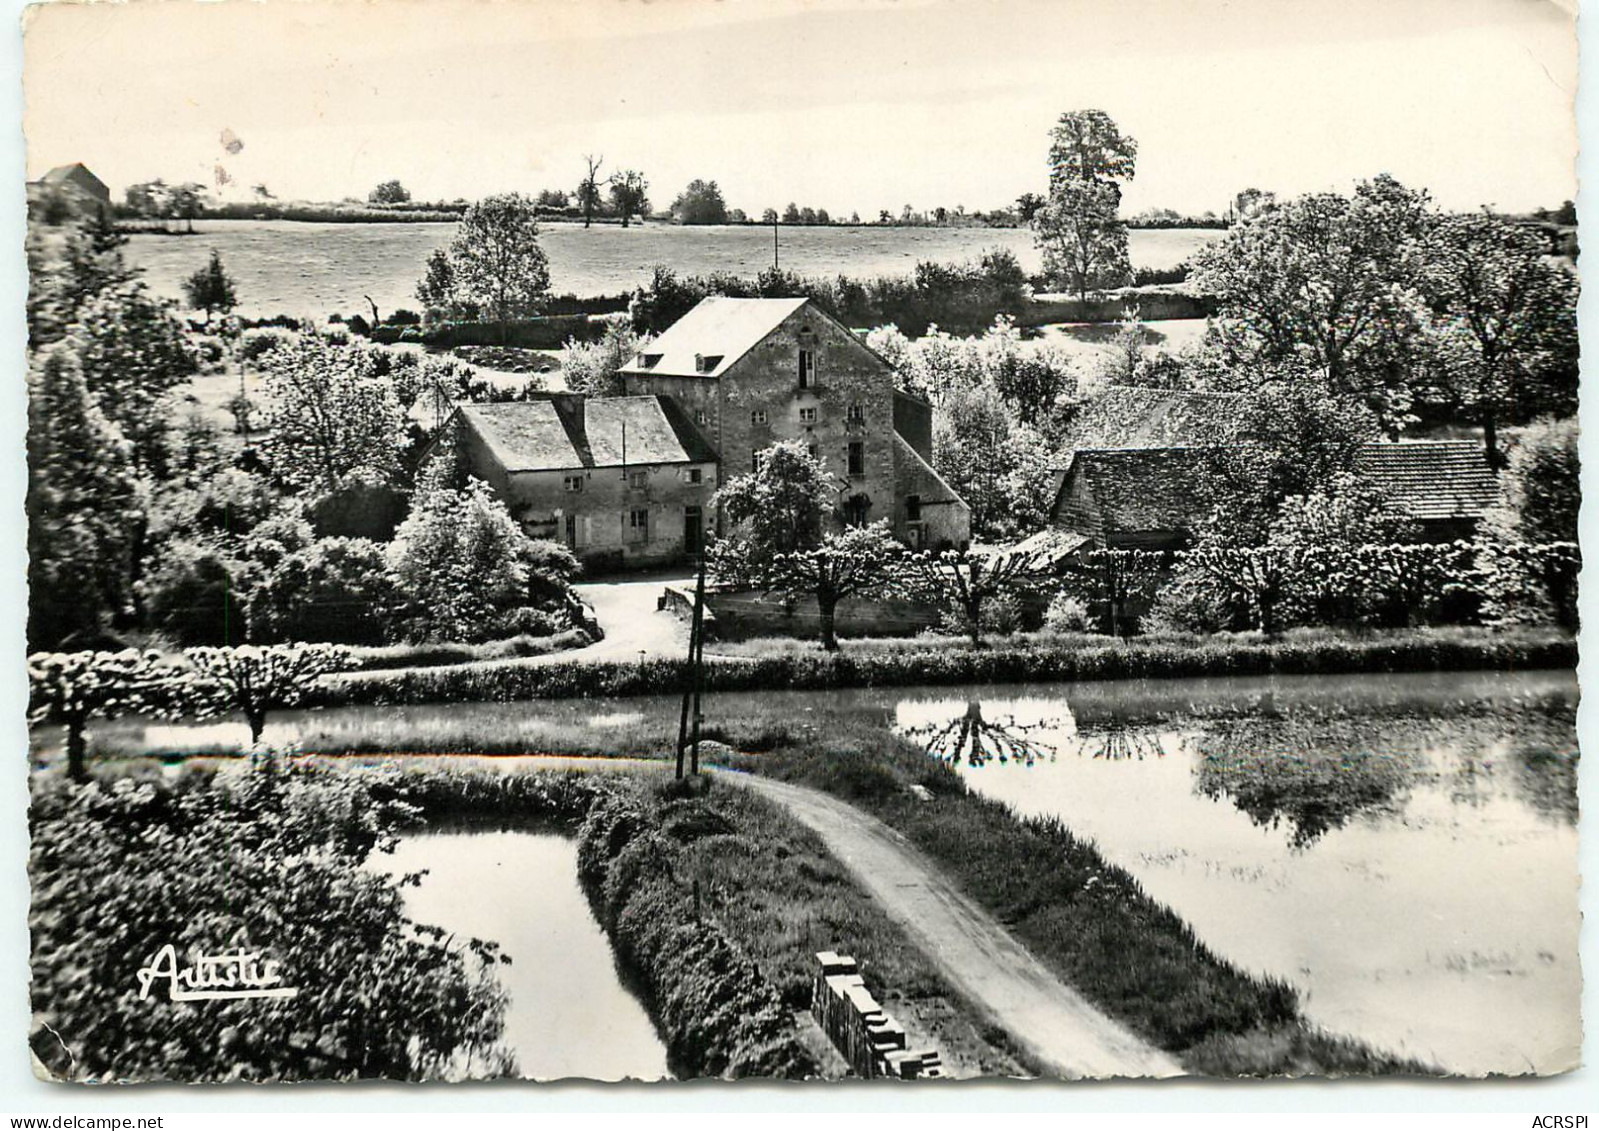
(1413, 877)
(568, 1015)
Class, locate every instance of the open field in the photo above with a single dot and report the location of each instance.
(291, 268)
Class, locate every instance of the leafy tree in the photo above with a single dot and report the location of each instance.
(253, 680)
(861, 559)
(965, 582)
(1527, 543)
(86, 507)
(1028, 205)
(389, 192)
(335, 590)
(1506, 320)
(791, 214)
(1291, 438)
(998, 464)
(188, 203)
(438, 290)
(497, 261)
(149, 199)
(781, 507)
(1078, 229)
(595, 368)
(700, 203)
(630, 194)
(211, 289)
(64, 276)
(556, 199)
(134, 353)
(1331, 283)
(464, 571)
(332, 418)
(588, 190)
(769, 216)
(72, 689)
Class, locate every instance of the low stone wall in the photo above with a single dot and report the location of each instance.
(738, 614)
(870, 1040)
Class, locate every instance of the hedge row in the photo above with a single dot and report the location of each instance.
(1162, 659)
(720, 1015)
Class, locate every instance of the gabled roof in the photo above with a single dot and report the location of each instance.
(567, 433)
(1432, 479)
(1130, 416)
(79, 176)
(707, 340)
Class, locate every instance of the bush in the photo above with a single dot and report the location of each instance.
(254, 344)
(271, 860)
(1067, 615)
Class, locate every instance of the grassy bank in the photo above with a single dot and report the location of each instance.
(1087, 920)
(910, 663)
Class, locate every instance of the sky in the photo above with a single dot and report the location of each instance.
(848, 105)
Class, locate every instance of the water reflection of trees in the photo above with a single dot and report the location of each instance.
(1117, 741)
(972, 740)
(1312, 778)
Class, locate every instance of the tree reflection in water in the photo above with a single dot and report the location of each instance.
(975, 741)
(1116, 741)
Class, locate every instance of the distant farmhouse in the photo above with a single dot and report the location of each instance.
(627, 481)
(1129, 483)
(73, 186)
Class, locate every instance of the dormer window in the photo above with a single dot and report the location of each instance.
(706, 362)
(807, 369)
(649, 360)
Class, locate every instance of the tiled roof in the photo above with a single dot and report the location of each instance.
(1154, 489)
(1130, 416)
(1141, 489)
(1432, 479)
(707, 340)
(571, 432)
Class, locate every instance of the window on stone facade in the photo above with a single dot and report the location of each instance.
(758, 416)
(695, 475)
(638, 525)
(574, 482)
(638, 480)
(856, 509)
(857, 458)
(807, 416)
(857, 413)
(702, 418)
(913, 508)
(815, 452)
(807, 369)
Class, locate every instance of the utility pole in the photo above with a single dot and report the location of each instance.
(774, 245)
(696, 682)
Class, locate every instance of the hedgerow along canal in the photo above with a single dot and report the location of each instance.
(568, 1014)
(1402, 849)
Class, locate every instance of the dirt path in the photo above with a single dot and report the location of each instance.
(1064, 1032)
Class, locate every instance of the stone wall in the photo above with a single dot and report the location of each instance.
(738, 614)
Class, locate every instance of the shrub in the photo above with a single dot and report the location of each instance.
(1066, 614)
(270, 860)
(257, 343)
